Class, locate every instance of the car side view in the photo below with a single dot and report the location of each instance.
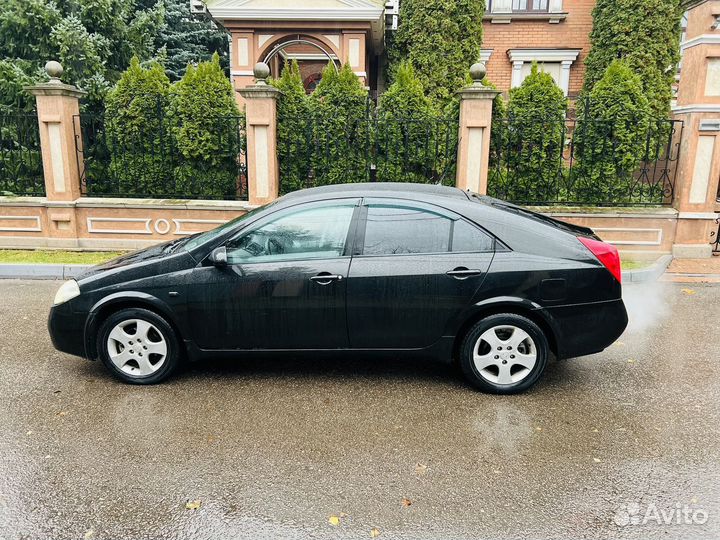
(373, 268)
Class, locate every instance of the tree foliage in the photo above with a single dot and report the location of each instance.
(94, 40)
(535, 129)
(408, 131)
(135, 131)
(293, 128)
(340, 128)
(204, 125)
(441, 40)
(644, 33)
(612, 134)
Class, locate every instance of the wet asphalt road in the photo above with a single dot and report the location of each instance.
(274, 449)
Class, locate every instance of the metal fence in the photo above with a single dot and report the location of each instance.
(21, 168)
(151, 164)
(715, 238)
(579, 161)
(376, 147)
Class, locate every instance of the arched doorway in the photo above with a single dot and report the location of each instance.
(311, 54)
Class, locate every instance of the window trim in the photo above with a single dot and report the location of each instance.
(359, 245)
(355, 202)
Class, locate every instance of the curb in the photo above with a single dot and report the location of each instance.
(41, 271)
(651, 273)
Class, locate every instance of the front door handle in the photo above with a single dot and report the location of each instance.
(463, 273)
(325, 278)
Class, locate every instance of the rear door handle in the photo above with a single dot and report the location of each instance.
(326, 278)
(463, 273)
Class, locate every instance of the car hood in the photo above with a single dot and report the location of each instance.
(157, 252)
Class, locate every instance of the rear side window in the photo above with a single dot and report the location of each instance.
(398, 230)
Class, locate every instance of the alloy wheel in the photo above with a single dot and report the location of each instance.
(504, 354)
(137, 348)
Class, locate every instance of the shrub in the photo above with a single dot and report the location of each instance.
(408, 132)
(204, 122)
(293, 129)
(135, 133)
(441, 39)
(340, 127)
(611, 135)
(535, 137)
(646, 34)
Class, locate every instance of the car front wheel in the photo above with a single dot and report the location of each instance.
(504, 354)
(138, 346)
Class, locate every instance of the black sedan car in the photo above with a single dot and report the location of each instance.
(373, 268)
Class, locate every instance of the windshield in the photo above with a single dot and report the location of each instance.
(200, 239)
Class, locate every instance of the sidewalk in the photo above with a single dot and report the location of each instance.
(693, 270)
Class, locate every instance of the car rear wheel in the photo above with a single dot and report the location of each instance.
(504, 354)
(138, 346)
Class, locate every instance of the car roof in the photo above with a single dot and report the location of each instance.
(377, 189)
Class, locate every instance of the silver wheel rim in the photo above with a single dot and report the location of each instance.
(504, 354)
(137, 348)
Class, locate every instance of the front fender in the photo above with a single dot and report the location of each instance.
(115, 301)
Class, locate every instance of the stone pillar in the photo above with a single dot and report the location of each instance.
(698, 106)
(474, 133)
(58, 110)
(261, 124)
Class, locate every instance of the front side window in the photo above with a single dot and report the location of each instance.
(311, 233)
(401, 230)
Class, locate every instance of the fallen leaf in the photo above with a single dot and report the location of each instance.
(89, 534)
(693, 500)
(538, 428)
(420, 468)
(374, 532)
(596, 431)
(334, 521)
(193, 505)
(688, 291)
(631, 361)
(29, 432)
(406, 502)
(62, 413)
(596, 460)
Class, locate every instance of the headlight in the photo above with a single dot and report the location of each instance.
(67, 291)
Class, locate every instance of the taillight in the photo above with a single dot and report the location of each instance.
(606, 254)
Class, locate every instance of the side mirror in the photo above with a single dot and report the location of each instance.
(219, 257)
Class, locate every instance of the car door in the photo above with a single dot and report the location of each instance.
(415, 266)
(284, 286)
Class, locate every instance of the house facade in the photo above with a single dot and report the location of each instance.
(553, 33)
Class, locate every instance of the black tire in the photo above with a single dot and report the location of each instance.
(538, 344)
(160, 332)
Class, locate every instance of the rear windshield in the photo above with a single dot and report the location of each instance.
(519, 210)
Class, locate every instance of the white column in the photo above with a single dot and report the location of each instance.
(565, 76)
(516, 74)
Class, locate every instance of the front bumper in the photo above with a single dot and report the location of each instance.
(588, 328)
(67, 329)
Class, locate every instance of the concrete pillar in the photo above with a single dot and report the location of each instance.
(698, 106)
(474, 133)
(58, 111)
(261, 125)
(58, 107)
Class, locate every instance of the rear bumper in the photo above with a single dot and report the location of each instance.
(587, 328)
(67, 329)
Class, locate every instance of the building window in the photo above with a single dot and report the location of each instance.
(530, 5)
(556, 62)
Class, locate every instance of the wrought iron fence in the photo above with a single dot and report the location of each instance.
(21, 168)
(581, 161)
(376, 147)
(154, 166)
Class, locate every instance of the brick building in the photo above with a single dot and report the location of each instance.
(553, 33)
